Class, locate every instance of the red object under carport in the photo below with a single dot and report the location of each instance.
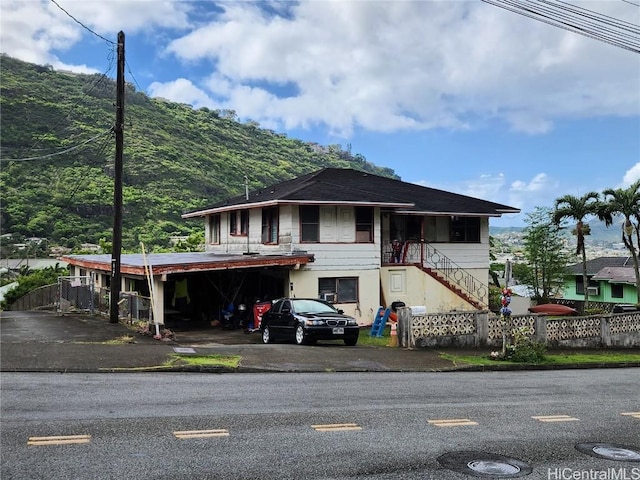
(259, 309)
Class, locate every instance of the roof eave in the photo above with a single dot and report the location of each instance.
(270, 203)
(167, 269)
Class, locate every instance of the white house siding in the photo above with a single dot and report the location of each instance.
(304, 283)
(253, 243)
(415, 288)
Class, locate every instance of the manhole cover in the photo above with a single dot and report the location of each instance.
(483, 464)
(493, 467)
(610, 451)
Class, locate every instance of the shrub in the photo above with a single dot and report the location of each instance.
(523, 349)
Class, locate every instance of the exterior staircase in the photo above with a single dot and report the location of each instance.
(453, 287)
(440, 267)
(454, 277)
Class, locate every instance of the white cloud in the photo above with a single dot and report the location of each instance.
(30, 31)
(631, 176)
(182, 91)
(388, 66)
(379, 66)
(34, 30)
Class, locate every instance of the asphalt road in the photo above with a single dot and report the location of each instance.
(542, 425)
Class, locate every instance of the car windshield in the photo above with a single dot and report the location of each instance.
(311, 306)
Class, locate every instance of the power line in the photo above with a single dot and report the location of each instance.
(631, 3)
(82, 24)
(576, 19)
(101, 78)
(75, 147)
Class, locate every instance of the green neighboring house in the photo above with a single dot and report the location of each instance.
(611, 281)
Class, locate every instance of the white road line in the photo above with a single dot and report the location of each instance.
(452, 422)
(336, 427)
(555, 418)
(185, 434)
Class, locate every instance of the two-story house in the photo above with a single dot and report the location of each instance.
(353, 238)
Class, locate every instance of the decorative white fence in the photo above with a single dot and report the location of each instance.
(478, 329)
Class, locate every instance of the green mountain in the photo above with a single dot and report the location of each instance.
(58, 156)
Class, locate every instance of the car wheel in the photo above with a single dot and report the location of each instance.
(266, 335)
(300, 340)
(350, 341)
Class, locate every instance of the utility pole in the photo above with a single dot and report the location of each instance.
(117, 186)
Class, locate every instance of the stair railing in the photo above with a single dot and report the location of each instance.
(454, 274)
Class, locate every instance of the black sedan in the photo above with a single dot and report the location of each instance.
(307, 320)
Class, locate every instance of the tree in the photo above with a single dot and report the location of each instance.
(545, 253)
(625, 202)
(577, 208)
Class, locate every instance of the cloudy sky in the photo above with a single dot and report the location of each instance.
(458, 95)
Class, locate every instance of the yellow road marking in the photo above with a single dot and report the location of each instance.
(59, 440)
(632, 414)
(555, 418)
(452, 422)
(336, 427)
(202, 433)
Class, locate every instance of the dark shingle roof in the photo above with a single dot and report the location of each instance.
(616, 275)
(336, 185)
(597, 264)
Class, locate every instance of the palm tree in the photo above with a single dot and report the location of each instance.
(577, 208)
(626, 203)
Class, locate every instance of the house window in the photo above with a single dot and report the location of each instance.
(617, 290)
(406, 228)
(239, 222)
(309, 223)
(465, 229)
(364, 224)
(345, 289)
(214, 229)
(580, 284)
(436, 229)
(270, 225)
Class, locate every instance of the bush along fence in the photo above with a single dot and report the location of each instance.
(486, 329)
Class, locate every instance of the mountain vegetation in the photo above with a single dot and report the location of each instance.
(58, 155)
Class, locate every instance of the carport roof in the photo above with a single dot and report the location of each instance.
(173, 263)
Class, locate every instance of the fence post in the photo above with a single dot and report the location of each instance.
(541, 328)
(404, 327)
(482, 329)
(605, 330)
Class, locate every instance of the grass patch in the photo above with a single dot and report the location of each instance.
(606, 357)
(228, 361)
(550, 359)
(120, 340)
(368, 340)
(123, 340)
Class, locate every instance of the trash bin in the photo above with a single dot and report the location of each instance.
(396, 305)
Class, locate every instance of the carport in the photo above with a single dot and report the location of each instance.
(191, 289)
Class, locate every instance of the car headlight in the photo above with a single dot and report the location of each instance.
(352, 322)
(314, 323)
